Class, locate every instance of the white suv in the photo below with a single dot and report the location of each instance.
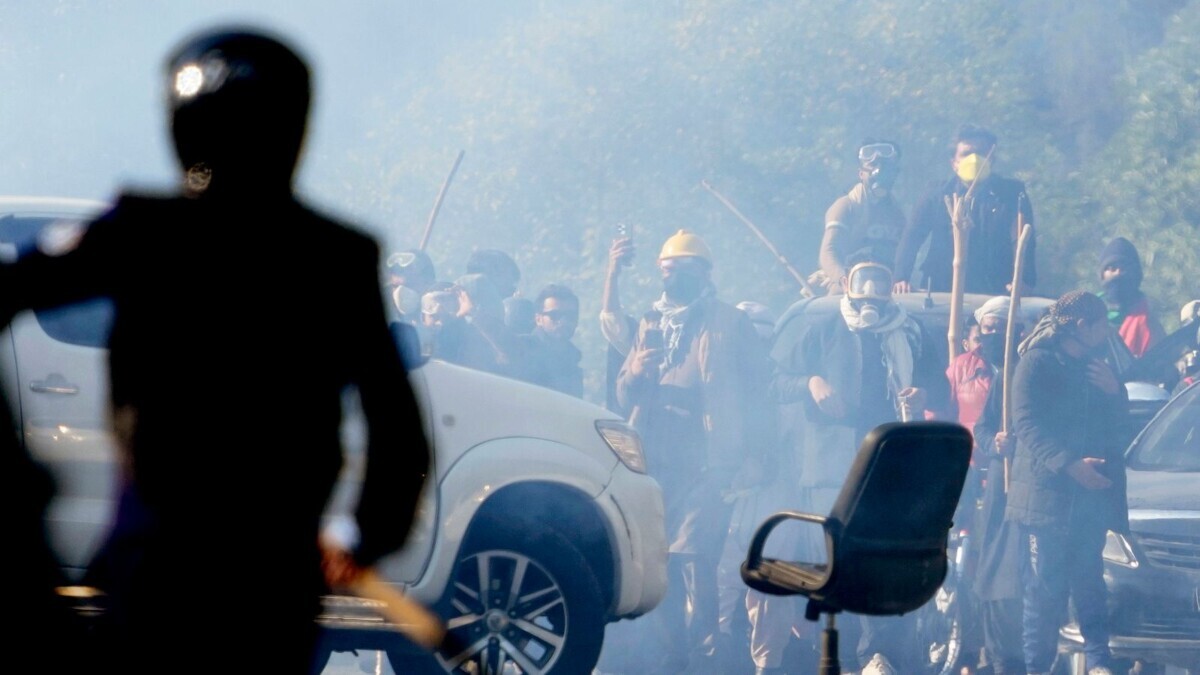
(538, 526)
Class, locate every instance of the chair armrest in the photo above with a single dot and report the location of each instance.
(754, 555)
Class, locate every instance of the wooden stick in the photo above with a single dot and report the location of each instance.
(412, 618)
(959, 228)
(808, 289)
(437, 205)
(1010, 335)
(961, 235)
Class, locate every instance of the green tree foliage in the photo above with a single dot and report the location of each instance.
(1145, 183)
(599, 113)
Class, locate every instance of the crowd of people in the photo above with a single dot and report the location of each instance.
(738, 420)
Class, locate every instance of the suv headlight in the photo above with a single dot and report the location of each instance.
(624, 442)
(1118, 551)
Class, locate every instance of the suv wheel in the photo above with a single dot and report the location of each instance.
(523, 602)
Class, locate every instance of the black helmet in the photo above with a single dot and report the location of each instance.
(239, 106)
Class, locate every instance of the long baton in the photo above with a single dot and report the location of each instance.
(437, 205)
(808, 289)
(409, 616)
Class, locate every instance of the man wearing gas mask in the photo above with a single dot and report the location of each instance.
(838, 378)
(991, 214)
(1128, 309)
(866, 220)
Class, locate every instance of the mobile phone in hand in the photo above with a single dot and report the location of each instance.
(623, 233)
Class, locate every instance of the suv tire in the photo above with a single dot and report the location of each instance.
(552, 622)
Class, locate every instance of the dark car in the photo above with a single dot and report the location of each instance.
(1153, 573)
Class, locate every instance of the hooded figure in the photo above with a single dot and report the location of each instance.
(198, 501)
(1128, 309)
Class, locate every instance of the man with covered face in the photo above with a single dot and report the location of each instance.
(695, 385)
(1128, 309)
(839, 378)
(866, 220)
(996, 586)
(991, 218)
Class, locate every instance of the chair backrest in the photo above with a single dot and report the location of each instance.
(890, 523)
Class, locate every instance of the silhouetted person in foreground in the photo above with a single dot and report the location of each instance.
(230, 443)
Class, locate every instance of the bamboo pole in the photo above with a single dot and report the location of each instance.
(961, 232)
(960, 225)
(1010, 334)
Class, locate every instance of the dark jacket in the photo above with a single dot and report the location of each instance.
(554, 364)
(1059, 418)
(993, 237)
(825, 446)
(229, 416)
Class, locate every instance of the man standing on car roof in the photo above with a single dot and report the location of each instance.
(695, 382)
(992, 211)
(868, 364)
(230, 445)
(1067, 485)
(865, 221)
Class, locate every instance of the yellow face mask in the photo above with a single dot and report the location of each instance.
(973, 167)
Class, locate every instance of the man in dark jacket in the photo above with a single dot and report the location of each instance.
(1067, 486)
(992, 213)
(230, 444)
(555, 357)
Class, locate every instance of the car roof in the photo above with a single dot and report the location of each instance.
(28, 205)
(932, 309)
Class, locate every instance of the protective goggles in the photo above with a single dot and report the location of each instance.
(401, 259)
(876, 151)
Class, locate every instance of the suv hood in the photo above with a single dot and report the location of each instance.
(468, 407)
(1164, 491)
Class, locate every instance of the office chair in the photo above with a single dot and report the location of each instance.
(885, 536)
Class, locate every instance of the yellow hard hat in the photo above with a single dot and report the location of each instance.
(685, 244)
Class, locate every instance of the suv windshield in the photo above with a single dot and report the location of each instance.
(1172, 441)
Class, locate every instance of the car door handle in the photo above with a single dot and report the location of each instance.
(54, 384)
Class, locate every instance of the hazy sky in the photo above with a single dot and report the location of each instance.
(81, 90)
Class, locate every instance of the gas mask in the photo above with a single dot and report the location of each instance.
(869, 288)
(869, 311)
(973, 167)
